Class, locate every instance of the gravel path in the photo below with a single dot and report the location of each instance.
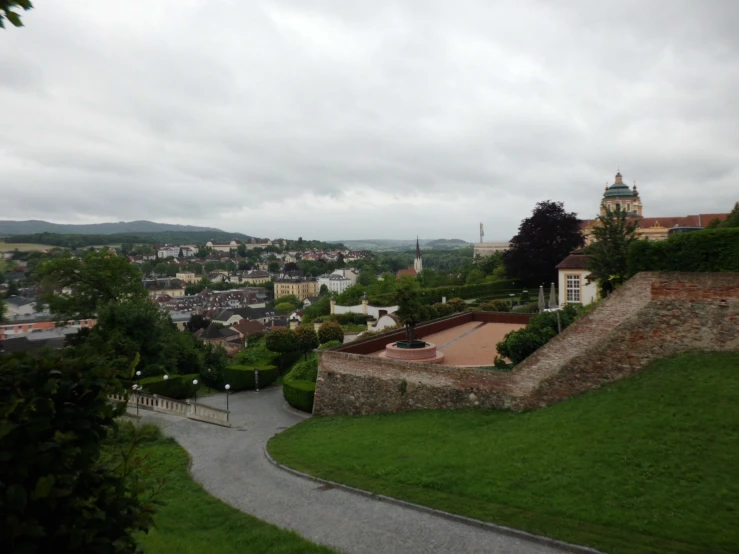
(231, 465)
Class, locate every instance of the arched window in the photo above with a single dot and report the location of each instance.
(618, 206)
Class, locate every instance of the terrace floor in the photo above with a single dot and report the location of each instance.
(469, 344)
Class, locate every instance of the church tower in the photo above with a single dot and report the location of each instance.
(619, 196)
(418, 262)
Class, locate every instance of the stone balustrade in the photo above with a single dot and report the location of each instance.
(187, 408)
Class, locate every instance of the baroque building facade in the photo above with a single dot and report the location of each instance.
(619, 196)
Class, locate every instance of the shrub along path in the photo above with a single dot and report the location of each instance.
(231, 465)
(645, 465)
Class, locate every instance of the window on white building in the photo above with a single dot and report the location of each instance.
(573, 289)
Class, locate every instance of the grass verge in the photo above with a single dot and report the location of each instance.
(645, 465)
(192, 521)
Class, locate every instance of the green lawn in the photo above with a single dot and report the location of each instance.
(23, 247)
(194, 522)
(645, 465)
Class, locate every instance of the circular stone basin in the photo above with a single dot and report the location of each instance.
(426, 354)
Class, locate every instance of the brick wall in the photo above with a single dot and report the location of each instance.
(652, 316)
(669, 313)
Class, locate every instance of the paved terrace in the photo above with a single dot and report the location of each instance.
(471, 343)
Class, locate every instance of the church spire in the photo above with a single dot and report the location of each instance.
(418, 262)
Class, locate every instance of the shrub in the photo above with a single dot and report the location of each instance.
(496, 306)
(330, 330)
(707, 250)
(457, 305)
(57, 495)
(176, 386)
(307, 338)
(443, 310)
(299, 394)
(519, 345)
(242, 377)
(330, 344)
(305, 371)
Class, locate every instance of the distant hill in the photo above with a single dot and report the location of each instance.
(400, 244)
(32, 226)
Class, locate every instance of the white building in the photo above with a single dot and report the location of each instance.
(168, 252)
(20, 306)
(334, 282)
(573, 284)
(350, 274)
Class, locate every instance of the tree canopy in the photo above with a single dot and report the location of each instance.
(608, 256)
(95, 280)
(411, 310)
(543, 240)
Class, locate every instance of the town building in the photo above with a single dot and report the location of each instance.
(334, 282)
(168, 252)
(222, 246)
(300, 287)
(187, 277)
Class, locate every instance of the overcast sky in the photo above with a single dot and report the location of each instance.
(346, 119)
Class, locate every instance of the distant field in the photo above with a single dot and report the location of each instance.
(22, 247)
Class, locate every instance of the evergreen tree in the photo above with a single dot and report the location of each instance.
(608, 255)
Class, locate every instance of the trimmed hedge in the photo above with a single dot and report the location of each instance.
(241, 377)
(703, 251)
(299, 394)
(176, 386)
(330, 344)
(498, 289)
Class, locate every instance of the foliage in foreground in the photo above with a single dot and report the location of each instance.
(643, 466)
(8, 12)
(57, 493)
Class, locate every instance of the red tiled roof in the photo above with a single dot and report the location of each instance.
(700, 220)
(246, 327)
(410, 271)
(575, 260)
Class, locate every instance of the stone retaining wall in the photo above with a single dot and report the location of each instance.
(652, 316)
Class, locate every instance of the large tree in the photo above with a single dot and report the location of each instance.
(608, 255)
(95, 280)
(543, 240)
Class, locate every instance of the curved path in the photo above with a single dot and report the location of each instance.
(231, 465)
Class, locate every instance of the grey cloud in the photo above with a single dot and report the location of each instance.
(289, 117)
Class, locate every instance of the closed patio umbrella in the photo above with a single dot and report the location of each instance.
(552, 298)
(542, 305)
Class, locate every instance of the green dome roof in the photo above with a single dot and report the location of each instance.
(619, 190)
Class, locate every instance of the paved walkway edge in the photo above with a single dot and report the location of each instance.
(564, 546)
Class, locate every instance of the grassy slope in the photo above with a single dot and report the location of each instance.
(645, 465)
(193, 522)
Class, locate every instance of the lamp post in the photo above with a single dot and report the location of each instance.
(136, 396)
(195, 404)
(228, 387)
(511, 295)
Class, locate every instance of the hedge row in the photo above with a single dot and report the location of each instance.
(241, 377)
(299, 394)
(704, 251)
(498, 289)
(176, 386)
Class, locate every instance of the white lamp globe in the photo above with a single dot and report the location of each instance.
(194, 381)
(228, 387)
